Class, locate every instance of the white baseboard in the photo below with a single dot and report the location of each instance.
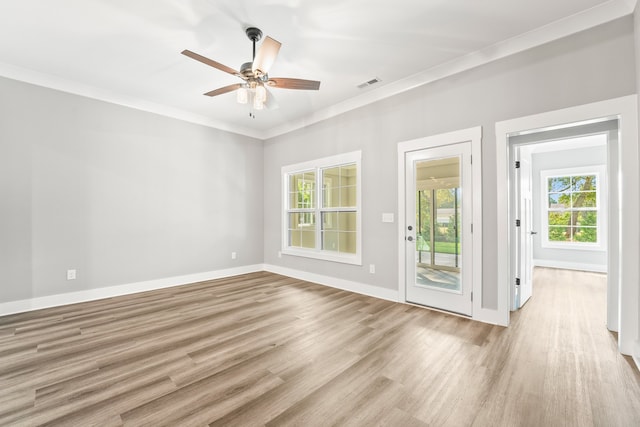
(492, 317)
(484, 315)
(334, 282)
(114, 291)
(596, 268)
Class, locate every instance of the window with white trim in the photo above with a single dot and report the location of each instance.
(572, 214)
(321, 212)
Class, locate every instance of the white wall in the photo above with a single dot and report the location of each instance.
(121, 195)
(572, 71)
(593, 260)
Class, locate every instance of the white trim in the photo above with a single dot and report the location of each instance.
(636, 354)
(475, 136)
(335, 282)
(476, 169)
(600, 14)
(566, 265)
(316, 166)
(119, 290)
(100, 94)
(623, 271)
(597, 15)
(487, 316)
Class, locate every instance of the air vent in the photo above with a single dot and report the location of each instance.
(368, 83)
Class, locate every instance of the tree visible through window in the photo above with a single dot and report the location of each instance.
(572, 210)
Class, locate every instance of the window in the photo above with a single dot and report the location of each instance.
(572, 214)
(321, 216)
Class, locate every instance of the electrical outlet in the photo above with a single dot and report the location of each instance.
(234, 255)
(71, 275)
(372, 268)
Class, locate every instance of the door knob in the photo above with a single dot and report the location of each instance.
(410, 238)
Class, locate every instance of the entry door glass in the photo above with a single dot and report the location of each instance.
(438, 195)
(438, 223)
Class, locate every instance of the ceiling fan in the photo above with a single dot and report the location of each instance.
(255, 74)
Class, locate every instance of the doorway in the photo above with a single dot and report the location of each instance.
(624, 207)
(440, 254)
(560, 202)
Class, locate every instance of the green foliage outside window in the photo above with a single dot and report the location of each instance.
(446, 233)
(572, 208)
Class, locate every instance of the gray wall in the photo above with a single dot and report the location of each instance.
(124, 196)
(590, 66)
(592, 156)
(119, 194)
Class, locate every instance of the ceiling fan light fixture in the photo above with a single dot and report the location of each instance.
(242, 95)
(261, 93)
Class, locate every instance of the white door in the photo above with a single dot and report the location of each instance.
(438, 227)
(524, 232)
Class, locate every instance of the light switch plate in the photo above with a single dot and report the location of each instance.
(387, 217)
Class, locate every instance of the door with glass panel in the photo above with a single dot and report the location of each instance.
(438, 235)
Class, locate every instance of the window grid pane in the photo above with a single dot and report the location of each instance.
(302, 189)
(339, 186)
(321, 209)
(339, 231)
(572, 208)
(302, 229)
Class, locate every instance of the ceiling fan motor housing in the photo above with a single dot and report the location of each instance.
(250, 77)
(246, 70)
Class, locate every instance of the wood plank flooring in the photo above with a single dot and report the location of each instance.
(263, 349)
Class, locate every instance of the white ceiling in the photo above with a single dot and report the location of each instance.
(128, 51)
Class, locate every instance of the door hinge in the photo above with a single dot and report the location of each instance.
(517, 223)
(472, 228)
(471, 296)
(517, 281)
(517, 164)
(471, 159)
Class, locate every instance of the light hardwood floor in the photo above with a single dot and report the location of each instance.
(263, 349)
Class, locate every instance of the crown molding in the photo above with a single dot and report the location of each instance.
(601, 14)
(597, 15)
(58, 83)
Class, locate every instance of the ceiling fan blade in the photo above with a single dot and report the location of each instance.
(224, 89)
(210, 62)
(266, 56)
(285, 83)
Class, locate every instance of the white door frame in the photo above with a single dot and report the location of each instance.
(475, 136)
(624, 247)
